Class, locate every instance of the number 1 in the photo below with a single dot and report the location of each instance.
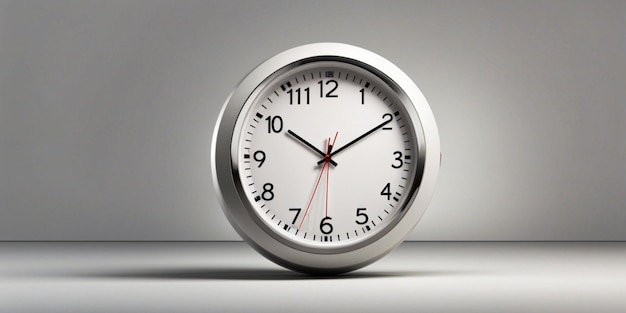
(362, 91)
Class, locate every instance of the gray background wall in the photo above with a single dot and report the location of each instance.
(107, 110)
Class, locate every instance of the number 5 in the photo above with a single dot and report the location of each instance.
(360, 213)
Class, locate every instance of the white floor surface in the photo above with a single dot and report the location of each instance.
(231, 277)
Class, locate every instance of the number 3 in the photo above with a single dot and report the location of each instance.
(399, 159)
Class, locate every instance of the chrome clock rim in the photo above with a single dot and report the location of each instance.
(238, 209)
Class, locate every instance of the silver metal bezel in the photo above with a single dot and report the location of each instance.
(279, 76)
(236, 205)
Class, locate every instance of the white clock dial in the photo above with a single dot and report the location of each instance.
(326, 155)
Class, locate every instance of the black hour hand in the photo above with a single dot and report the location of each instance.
(308, 144)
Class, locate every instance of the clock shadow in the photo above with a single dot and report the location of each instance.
(254, 274)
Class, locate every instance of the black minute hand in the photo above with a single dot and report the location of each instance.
(308, 144)
(358, 138)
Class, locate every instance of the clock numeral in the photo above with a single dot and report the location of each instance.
(386, 191)
(360, 213)
(362, 91)
(259, 156)
(325, 226)
(389, 117)
(268, 192)
(329, 94)
(295, 218)
(274, 124)
(398, 158)
(298, 91)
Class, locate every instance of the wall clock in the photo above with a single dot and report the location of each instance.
(325, 157)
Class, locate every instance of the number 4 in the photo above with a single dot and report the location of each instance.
(386, 191)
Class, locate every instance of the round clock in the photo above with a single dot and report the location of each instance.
(325, 157)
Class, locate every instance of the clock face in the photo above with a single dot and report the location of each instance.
(327, 155)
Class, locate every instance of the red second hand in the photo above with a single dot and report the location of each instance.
(327, 177)
(328, 169)
(326, 161)
(313, 195)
